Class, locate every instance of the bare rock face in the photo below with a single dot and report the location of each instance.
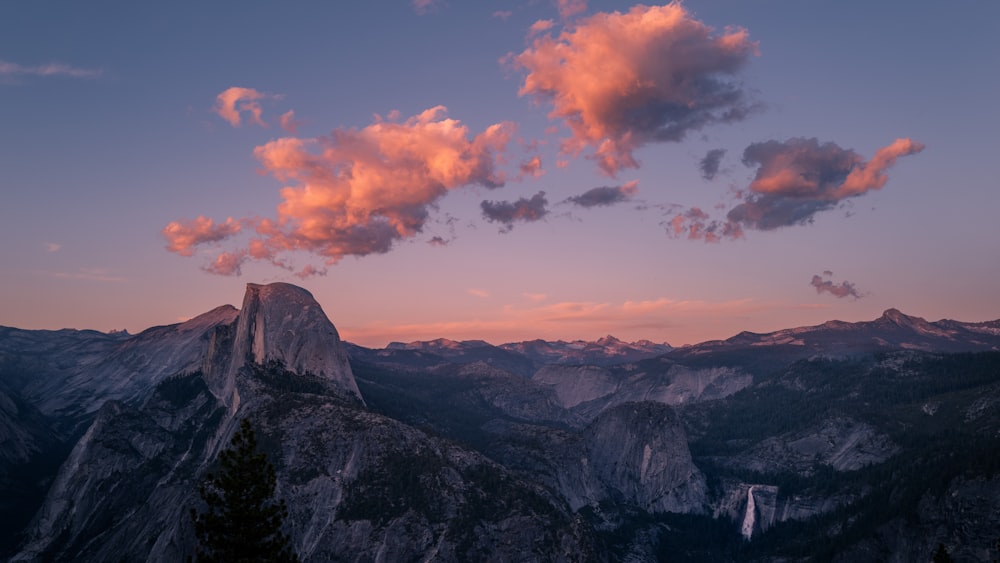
(839, 442)
(638, 452)
(283, 324)
(588, 390)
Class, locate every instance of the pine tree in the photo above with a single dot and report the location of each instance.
(242, 522)
(941, 555)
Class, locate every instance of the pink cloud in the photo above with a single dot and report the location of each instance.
(795, 180)
(358, 191)
(620, 81)
(289, 123)
(532, 168)
(227, 264)
(503, 14)
(183, 236)
(235, 101)
(540, 26)
(695, 224)
(570, 8)
(424, 6)
(798, 178)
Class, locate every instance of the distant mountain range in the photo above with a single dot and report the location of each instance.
(863, 441)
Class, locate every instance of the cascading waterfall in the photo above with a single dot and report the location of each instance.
(748, 517)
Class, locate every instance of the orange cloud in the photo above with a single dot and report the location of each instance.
(183, 236)
(620, 81)
(233, 102)
(358, 191)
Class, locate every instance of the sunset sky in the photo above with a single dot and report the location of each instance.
(501, 169)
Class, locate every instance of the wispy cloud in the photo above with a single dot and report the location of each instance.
(52, 247)
(233, 102)
(623, 80)
(422, 7)
(289, 123)
(524, 210)
(605, 195)
(89, 274)
(580, 319)
(838, 290)
(709, 165)
(569, 8)
(482, 293)
(10, 69)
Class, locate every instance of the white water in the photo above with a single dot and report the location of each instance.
(748, 518)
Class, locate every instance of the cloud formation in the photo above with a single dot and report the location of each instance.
(357, 191)
(795, 180)
(620, 81)
(605, 195)
(523, 210)
(183, 236)
(50, 69)
(841, 290)
(424, 6)
(695, 224)
(709, 165)
(570, 8)
(289, 123)
(799, 177)
(235, 101)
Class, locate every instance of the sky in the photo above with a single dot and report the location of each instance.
(501, 169)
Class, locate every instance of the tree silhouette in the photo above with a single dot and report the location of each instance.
(941, 555)
(242, 522)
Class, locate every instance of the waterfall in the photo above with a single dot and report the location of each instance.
(748, 518)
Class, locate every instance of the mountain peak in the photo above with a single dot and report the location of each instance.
(282, 322)
(896, 316)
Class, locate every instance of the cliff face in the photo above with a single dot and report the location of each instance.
(278, 323)
(356, 482)
(640, 452)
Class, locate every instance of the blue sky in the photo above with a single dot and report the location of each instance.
(110, 131)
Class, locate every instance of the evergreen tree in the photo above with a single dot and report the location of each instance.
(242, 522)
(941, 555)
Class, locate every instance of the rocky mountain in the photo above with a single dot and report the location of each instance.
(870, 441)
(601, 352)
(522, 358)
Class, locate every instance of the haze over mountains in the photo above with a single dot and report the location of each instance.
(843, 441)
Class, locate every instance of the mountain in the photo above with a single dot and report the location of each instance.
(892, 331)
(870, 441)
(603, 351)
(522, 358)
(356, 481)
